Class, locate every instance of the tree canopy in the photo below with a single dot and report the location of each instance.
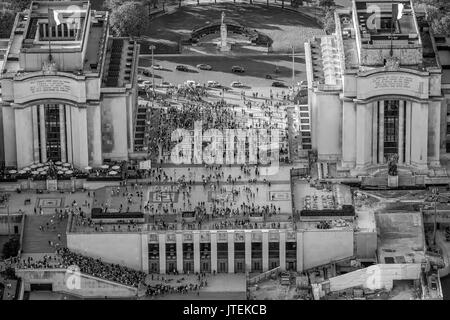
(11, 248)
(437, 13)
(129, 19)
(6, 23)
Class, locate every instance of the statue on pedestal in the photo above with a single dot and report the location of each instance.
(223, 46)
(392, 165)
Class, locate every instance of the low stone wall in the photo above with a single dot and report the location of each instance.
(29, 184)
(87, 286)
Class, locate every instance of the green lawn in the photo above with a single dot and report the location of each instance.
(283, 26)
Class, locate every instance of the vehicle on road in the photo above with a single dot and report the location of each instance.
(237, 84)
(203, 66)
(268, 76)
(237, 69)
(213, 84)
(157, 67)
(191, 83)
(166, 84)
(303, 84)
(145, 71)
(182, 68)
(278, 84)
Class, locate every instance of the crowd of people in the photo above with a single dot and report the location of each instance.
(64, 258)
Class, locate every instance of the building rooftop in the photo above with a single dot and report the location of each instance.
(120, 69)
(400, 237)
(83, 31)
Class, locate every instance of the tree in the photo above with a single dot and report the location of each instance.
(6, 23)
(20, 5)
(11, 248)
(112, 4)
(129, 19)
(437, 13)
(326, 3)
(327, 22)
(442, 25)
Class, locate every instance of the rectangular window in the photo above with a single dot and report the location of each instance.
(448, 128)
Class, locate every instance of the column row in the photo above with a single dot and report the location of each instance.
(225, 257)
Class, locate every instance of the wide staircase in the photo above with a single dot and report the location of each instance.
(37, 241)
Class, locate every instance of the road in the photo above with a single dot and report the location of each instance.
(256, 68)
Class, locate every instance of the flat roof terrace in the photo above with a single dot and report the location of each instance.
(400, 237)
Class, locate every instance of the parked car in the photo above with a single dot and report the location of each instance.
(268, 76)
(182, 68)
(278, 84)
(191, 83)
(237, 84)
(203, 66)
(237, 69)
(166, 84)
(303, 84)
(157, 67)
(145, 71)
(213, 84)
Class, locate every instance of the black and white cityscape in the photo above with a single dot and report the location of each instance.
(225, 150)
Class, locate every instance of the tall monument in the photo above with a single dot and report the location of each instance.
(223, 45)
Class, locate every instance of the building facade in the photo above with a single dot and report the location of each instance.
(375, 91)
(221, 251)
(68, 90)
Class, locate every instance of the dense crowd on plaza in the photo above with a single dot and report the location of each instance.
(65, 258)
(167, 117)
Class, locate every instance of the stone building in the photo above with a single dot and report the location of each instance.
(68, 90)
(377, 89)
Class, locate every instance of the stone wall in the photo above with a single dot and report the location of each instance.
(380, 276)
(89, 286)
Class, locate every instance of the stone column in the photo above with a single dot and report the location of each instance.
(265, 250)
(144, 250)
(196, 239)
(434, 132)
(363, 135)
(300, 251)
(36, 151)
(162, 253)
(62, 124)
(83, 139)
(213, 238)
(231, 252)
(95, 137)
(24, 137)
(283, 250)
(42, 133)
(419, 135)
(401, 129)
(374, 132)
(179, 246)
(248, 250)
(381, 132)
(408, 133)
(348, 134)
(69, 147)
